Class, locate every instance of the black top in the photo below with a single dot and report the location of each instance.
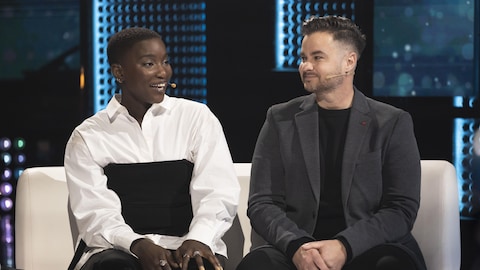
(332, 131)
(155, 196)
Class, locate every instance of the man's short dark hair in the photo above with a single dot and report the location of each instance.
(342, 29)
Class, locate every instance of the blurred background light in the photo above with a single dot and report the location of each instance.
(5, 144)
(6, 174)
(6, 204)
(19, 143)
(6, 158)
(6, 188)
(17, 172)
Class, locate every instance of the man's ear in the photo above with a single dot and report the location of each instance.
(352, 59)
(117, 72)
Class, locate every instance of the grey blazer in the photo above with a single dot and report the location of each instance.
(380, 174)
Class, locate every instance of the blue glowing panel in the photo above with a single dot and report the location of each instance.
(467, 164)
(290, 16)
(183, 28)
(424, 48)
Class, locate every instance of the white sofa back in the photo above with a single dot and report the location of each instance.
(41, 217)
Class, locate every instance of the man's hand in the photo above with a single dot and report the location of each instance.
(308, 259)
(325, 254)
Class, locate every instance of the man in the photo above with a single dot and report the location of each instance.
(335, 180)
(151, 179)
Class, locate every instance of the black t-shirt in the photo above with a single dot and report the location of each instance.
(332, 132)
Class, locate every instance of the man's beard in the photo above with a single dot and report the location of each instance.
(324, 86)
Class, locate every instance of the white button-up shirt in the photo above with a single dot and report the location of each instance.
(174, 129)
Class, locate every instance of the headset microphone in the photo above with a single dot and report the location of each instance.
(338, 75)
(334, 76)
(173, 85)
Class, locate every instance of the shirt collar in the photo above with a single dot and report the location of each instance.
(114, 108)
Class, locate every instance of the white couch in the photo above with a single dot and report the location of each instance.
(44, 241)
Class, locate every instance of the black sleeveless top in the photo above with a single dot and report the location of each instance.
(155, 196)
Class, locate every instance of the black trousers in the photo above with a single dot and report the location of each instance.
(114, 259)
(383, 257)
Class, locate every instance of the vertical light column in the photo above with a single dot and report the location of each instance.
(12, 162)
(467, 163)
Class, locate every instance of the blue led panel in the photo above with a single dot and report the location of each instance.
(290, 16)
(467, 164)
(182, 25)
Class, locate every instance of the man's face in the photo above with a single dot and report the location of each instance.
(322, 60)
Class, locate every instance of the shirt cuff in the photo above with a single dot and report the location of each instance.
(347, 246)
(295, 245)
(124, 241)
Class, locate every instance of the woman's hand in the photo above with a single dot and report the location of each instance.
(152, 256)
(192, 249)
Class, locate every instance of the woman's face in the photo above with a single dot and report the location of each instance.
(146, 72)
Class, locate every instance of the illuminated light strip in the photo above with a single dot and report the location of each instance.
(96, 46)
(458, 157)
(462, 160)
(280, 35)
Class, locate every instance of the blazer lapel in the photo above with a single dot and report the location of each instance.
(357, 129)
(307, 127)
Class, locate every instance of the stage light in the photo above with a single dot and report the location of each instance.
(6, 158)
(20, 158)
(6, 174)
(19, 143)
(6, 204)
(17, 172)
(12, 163)
(5, 144)
(6, 189)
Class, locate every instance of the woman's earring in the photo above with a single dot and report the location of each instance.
(118, 80)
